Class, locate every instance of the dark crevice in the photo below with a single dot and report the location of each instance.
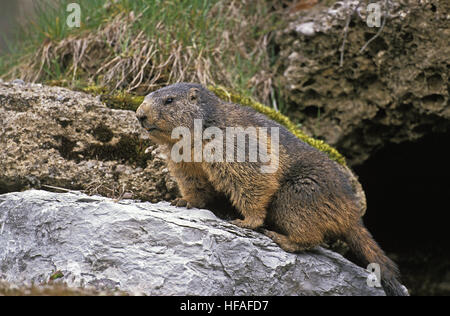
(102, 133)
(126, 149)
(312, 111)
(407, 187)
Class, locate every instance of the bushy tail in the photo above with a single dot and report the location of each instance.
(365, 247)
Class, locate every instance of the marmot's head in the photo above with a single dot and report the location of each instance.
(173, 106)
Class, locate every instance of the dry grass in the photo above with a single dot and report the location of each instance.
(137, 51)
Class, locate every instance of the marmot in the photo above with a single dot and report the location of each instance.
(305, 200)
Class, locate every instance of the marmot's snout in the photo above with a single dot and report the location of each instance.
(143, 119)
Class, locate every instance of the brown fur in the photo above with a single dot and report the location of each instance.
(307, 199)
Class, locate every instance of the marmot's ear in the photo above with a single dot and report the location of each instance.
(193, 94)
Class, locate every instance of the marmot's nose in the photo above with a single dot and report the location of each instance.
(141, 117)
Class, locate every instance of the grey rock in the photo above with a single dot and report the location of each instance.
(156, 249)
(18, 82)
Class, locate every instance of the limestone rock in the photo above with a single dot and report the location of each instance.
(156, 249)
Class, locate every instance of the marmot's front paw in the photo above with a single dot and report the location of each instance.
(183, 203)
(179, 202)
(250, 224)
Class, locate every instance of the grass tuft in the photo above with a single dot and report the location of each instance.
(138, 46)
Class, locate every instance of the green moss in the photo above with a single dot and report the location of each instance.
(95, 90)
(120, 100)
(56, 275)
(280, 118)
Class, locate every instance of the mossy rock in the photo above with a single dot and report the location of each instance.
(120, 100)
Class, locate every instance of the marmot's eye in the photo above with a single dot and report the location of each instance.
(168, 101)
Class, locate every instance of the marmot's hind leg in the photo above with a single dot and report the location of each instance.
(288, 244)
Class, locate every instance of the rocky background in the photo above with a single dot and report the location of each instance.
(396, 90)
(385, 108)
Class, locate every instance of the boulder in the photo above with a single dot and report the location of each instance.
(51, 136)
(155, 249)
(395, 90)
